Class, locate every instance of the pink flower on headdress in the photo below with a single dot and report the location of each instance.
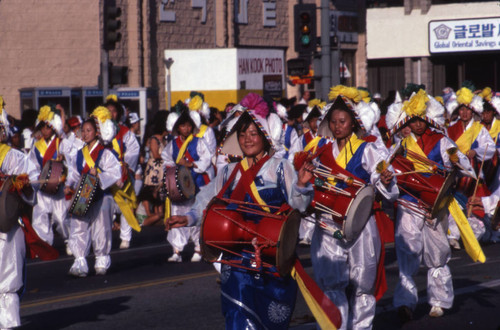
(256, 103)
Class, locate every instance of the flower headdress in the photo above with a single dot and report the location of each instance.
(196, 102)
(106, 129)
(49, 116)
(182, 111)
(420, 105)
(465, 96)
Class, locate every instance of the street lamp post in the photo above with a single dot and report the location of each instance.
(168, 63)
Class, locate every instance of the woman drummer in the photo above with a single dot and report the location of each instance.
(254, 299)
(94, 229)
(192, 152)
(12, 243)
(418, 237)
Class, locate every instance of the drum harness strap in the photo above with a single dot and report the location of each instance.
(47, 151)
(464, 141)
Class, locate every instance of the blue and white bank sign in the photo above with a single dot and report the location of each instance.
(466, 35)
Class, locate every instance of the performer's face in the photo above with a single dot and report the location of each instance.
(487, 116)
(88, 133)
(341, 124)
(114, 112)
(465, 114)
(251, 142)
(185, 129)
(313, 124)
(47, 132)
(417, 126)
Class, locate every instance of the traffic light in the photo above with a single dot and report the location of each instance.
(305, 27)
(111, 26)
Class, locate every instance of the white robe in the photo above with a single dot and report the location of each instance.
(12, 248)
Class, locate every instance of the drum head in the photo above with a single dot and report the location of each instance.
(289, 234)
(185, 182)
(9, 207)
(444, 197)
(358, 214)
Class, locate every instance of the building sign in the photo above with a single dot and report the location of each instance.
(272, 85)
(467, 35)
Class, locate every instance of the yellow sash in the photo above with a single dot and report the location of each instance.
(41, 145)
(313, 144)
(183, 148)
(410, 144)
(253, 187)
(471, 244)
(468, 137)
(4, 149)
(495, 129)
(345, 154)
(88, 159)
(116, 147)
(203, 129)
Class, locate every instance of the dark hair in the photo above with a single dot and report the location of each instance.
(244, 122)
(147, 193)
(92, 122)
(340, 105)
(488, 107)
(183, 118)
(117, 106)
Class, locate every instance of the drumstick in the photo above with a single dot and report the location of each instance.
(410, 172)
(477, 181)
(326, 209)
(328, 172)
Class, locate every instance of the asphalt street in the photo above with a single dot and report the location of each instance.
(143, 291)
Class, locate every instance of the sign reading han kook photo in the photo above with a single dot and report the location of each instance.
(467, 35)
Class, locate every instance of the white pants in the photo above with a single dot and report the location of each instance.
(50, 210)
(338, 264)
(12, 256)
(418, 242)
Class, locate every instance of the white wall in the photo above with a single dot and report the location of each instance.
(391, 34)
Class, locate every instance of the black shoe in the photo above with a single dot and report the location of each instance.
(405, 314)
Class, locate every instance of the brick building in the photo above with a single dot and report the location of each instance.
(52, 50)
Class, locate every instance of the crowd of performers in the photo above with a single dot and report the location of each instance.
(423, 173)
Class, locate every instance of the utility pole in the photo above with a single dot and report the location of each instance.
(326, 70)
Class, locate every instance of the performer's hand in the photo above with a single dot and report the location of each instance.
(119, 184)
(386, 177)
(68, 190)
(471, 154)
(305, 174)
(176, 221)
(475, 203)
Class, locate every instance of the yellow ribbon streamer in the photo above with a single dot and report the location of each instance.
(127, 202)
(88, 159)
(323, 320)
(471, 244)
(468, 137)
(410, 144)
(4, 149)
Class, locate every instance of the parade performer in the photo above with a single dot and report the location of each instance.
(253, 298)
(192, 152)
(420, 237)
(127, 148)
(94, 228)
(196, 102)
(491, 109)
(12, 242)
(475, 142)
(338, 263)
(51, 208)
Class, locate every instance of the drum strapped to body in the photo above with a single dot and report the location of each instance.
(10, 203)
(84, 195)
(433, 192)
(178, 183)
(51, 175)
(271, 240)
